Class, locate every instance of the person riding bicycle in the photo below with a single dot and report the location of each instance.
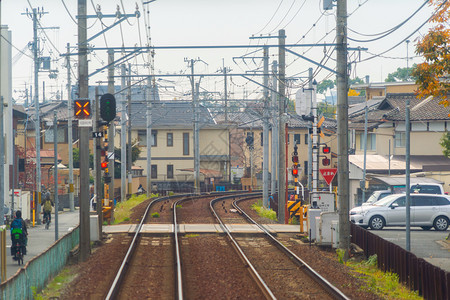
(19, 231)
(47, 206)
(141, 189)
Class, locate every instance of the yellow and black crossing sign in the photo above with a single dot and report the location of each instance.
(294, 207)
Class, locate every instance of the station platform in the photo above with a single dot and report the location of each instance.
(201, 228)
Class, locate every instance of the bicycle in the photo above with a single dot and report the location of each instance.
(18, 248)
(46, 221)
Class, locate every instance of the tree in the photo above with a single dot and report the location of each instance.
(402, 74)
(324, 85)
(76, 158)
(432, 76)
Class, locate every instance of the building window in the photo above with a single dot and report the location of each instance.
(371, 142)
(287, 136)
(154, 172)
(62, 137)
(142, 137)
(169, 139)
(261, 135)
(185, 143)
(400, 139)
(154, 138)
(306, 168)
(169, 171)
(306, 139)
(297, 138)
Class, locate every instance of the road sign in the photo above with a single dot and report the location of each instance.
(328, 174)
(97, 134)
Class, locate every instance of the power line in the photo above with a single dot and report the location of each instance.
(279, 5)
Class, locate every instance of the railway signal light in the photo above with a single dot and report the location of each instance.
(107, 107)
(326, 161)
(295, 171)
(326, 150)
(82, 109)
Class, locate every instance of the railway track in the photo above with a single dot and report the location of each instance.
(190, 266)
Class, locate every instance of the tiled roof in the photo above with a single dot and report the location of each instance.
(168, 113)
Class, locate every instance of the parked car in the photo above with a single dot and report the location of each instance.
(426, 211)
(427, 188)
(377, 195)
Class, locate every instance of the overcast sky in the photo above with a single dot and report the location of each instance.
(212, 22)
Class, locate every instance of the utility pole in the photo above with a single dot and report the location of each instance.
(111, 129)
(225, 91)
(196, 131)
(274, 128)
(129, 164)
(310, 144)
(266, 130)
(2, 162)
(69, 131)
(342, 122)
(149, 136)
(123, 134)
(407, 174)
(281, 127)
(55, 174)
(83, 83)
(97, 166)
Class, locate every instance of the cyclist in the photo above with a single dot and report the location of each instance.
(19, 229)
(47, 207)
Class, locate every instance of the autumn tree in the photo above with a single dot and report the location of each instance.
(432, 75)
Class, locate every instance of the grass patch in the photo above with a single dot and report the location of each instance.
(264, 212)
(54, 287)
(123, 209)
(191, 235)
(155, 215)
(381, 283)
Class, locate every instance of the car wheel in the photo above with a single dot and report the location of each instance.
(426, 227)
(441, 223)
(377, 222)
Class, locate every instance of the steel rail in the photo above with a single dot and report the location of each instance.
(258, 279)
(179, 286)
(112, 293)
(329, 287)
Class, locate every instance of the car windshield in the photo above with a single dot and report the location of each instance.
(386, 200)
(372, 198)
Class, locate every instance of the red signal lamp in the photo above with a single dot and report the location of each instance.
(104, 165)
(326, 150)
(326, 161)
(295, 172)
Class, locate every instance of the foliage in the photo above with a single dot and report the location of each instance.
(264, 212)
(123, 209)
(76, 158)
(385, 284)
(324, 85)
(432, 75)
(445, 143)
(326, 109)
(54, 288)
(402, 74)
(155, 215)
(341, 255)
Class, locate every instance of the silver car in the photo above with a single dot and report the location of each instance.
(426, 211)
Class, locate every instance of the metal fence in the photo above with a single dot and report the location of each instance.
(34, 275)
(430, 281)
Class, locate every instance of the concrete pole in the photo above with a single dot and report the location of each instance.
(197, 139)
(129, 162)
(407, 174)
(55, 171)
(281, 128)
(266, 130)
(149, 136)
(225, 91)
(38, 121)
(97, 167)
(85, 248)
(14, 174)
(310, 144)
(273, 185)
(342, 122)
(69, 131)
(111, 128)
(123, 136)
(365, 153)
(2, 163)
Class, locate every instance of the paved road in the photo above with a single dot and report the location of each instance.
(40, 239)
(429, 245)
